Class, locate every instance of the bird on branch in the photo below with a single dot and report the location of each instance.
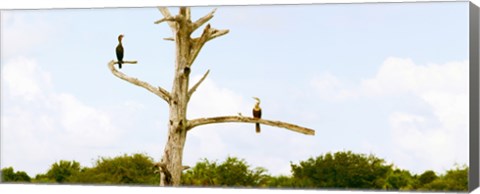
(257, 113)
(119, 51)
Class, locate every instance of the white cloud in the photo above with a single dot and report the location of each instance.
(23, 79)
(450, 108)
(212, 100)
(82, 124)
(419, 141)
(439, 141)
(430, 148)
(328, 86)
(397, 75)
(217, 141)
(45, 125)
(41, 126)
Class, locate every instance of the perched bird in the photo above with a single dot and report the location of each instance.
(257, 113)
(119, 51)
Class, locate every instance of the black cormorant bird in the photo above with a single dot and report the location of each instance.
(257, 113)
(119, 51)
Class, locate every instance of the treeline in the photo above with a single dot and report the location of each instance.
(340, 170)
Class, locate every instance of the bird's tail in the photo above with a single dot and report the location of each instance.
(120, 64)
(257, 127)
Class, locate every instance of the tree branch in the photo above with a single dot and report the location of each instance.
(207, 35)
(185, 11)
(166, 14)
(166, 19)
(203, 20)
(198, 44)
(192, 90)
(183, 18)
(159, 91)
(162, 165)
(188, 14)
(124, 62)
(241, 119)
(218, 33)
(165, 175)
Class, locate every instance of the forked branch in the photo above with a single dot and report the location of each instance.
(194, 88)
(166, 19)
(216, 33)
(203, 20)
(241, 119)
(166, 14)
(159, 91)
(207, 35)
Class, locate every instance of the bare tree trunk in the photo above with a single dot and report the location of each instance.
(177, 132)
(186, 50)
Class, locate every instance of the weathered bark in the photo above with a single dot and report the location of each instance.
(177, 132)
(159, 91)
(241, 119)
(194, 88)
(186, 50)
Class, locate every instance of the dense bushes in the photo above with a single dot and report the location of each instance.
(340, 170)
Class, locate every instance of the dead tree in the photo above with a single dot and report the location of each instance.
(186, 50)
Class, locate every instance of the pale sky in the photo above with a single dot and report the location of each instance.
(389, 79)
